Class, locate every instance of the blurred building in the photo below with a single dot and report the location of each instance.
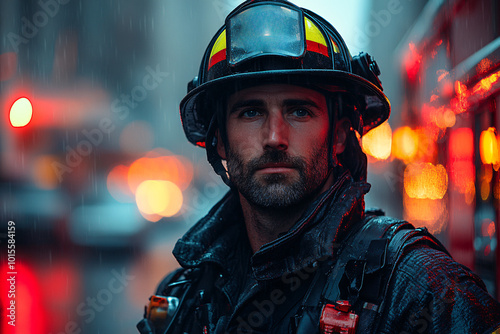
(445, 158)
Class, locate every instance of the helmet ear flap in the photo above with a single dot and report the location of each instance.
(365, 66)
(213, 156)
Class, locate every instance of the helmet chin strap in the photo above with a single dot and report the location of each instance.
(213, 156)
(353, 158)
(334, 105)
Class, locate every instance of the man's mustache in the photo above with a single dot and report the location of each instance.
(275, 157)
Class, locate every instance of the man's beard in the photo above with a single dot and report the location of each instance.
(278, 190)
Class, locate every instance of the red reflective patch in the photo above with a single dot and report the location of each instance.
(317, 47)
(218, 57)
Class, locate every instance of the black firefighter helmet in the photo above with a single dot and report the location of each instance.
(274, 41)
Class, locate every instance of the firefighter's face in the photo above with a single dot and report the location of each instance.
(278, 143)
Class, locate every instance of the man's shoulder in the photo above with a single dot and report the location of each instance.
(430, 292)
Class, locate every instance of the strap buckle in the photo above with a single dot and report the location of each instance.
(161, 308)
(338, 319)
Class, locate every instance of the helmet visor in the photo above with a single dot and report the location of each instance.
(265, 30)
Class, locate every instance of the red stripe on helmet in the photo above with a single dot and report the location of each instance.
(317, 47)
(218, 57)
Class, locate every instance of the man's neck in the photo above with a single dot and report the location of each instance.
(264, 225)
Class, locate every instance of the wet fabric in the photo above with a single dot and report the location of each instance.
(262, 293)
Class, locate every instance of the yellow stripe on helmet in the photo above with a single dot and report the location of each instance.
(335, 46)
(313, 33)
(220, 43)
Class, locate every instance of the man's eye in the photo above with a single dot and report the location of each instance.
(301, 112)
(250, 113)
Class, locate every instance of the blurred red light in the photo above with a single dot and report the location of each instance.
(461, 144)
(30, 315)
(412, 62)
(460, 157)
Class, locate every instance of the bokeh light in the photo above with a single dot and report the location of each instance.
(488, 147)
(21, 112)
(460, 157)
(30, 316)
(425, 212)
(424, 180)
(159, 197)
(377, 143)
(405, 144)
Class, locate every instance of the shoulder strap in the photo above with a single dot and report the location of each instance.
(364, 252)
(347, 271)
(365, 264)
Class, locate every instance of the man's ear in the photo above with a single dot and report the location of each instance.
(221, 149)
(342, 127)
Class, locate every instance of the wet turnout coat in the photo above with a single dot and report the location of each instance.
(232, 290)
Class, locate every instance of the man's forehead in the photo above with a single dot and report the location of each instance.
(277, 92)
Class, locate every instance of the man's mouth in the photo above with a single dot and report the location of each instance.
(276, 167)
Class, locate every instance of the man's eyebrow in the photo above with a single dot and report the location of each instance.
(246, 103)
(300, 102)
(261, 103)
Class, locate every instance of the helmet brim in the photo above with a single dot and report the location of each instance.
(194, 105)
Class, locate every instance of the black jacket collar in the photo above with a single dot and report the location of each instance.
(220, 237)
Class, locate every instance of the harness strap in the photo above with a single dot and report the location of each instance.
(357, 277)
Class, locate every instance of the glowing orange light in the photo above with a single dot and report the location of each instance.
(485, 190)
(117, 183)
(442, 117)
(424, 180)
(176, 169)
(487, 173)
(484, 65)
(425, 212)
(483, 86)
(159, 197)
(449, 118)
(404, 143)
(488, 147)
(487, 228)
(378, 142)
(151, 169)
(425, 140)
(21, 112)
(459, 104)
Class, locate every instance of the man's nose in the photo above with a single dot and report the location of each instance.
(276, 132)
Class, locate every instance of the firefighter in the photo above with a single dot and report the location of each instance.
(278, 104)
